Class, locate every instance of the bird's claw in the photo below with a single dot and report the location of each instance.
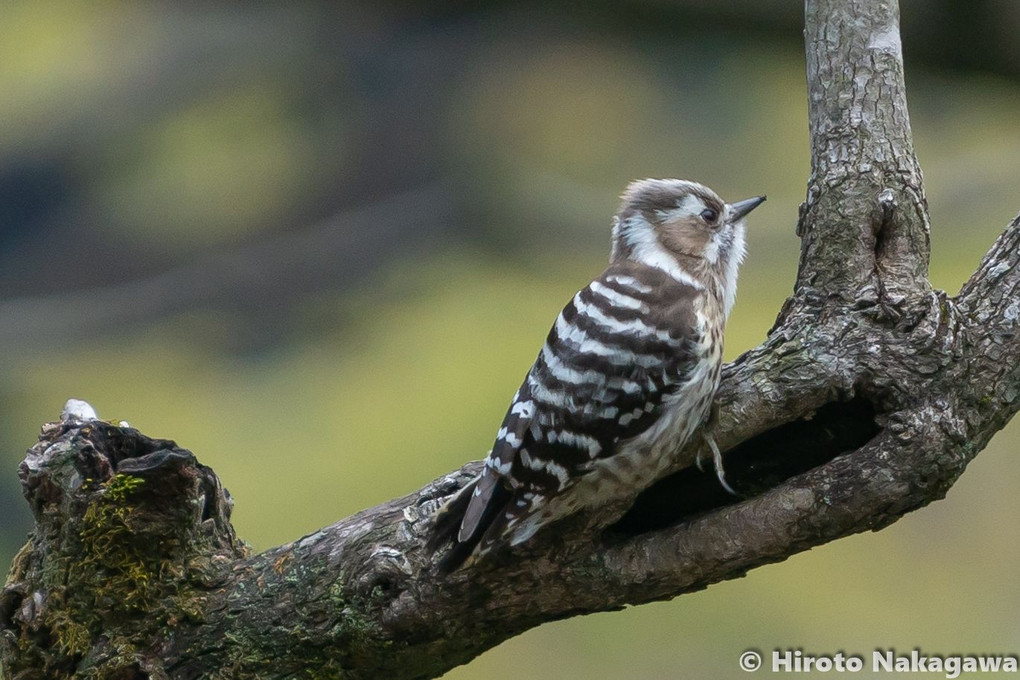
(716, 461)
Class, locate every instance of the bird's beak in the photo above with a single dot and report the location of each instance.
(739, 209)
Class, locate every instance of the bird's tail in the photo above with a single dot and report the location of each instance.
(448, 522)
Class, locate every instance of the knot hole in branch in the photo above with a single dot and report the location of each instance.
(883, 222)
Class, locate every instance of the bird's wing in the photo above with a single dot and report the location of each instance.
(620, 346)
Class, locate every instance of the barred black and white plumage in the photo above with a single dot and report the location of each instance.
(626, 375)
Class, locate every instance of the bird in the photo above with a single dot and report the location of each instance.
(626, 376)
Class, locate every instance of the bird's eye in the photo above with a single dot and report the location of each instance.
(710, 215)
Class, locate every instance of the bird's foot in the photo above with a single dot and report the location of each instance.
(716, 462)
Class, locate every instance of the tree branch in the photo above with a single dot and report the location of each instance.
(867, 400)
(865, 196)
(989, 305)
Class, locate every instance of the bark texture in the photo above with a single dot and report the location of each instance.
(867, 400)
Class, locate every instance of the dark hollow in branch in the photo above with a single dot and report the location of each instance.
(754, 466)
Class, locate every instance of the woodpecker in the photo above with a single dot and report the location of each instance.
(626, 376)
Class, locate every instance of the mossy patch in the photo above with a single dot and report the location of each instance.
(125, 579)
(117, 566)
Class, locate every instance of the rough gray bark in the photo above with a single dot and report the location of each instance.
(867, 400)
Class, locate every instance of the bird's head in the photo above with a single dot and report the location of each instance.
(681, 226)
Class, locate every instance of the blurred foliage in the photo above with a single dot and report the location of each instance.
(234, 162)
(136, 136)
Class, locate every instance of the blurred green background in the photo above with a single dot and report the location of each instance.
(320, 245)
